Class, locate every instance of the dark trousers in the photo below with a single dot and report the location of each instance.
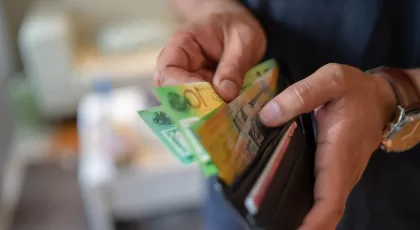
(218, 215)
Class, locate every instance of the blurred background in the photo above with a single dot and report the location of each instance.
(74, 153)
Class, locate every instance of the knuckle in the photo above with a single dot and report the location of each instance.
(158, 77)
(228, 70)
(183, 36)
(160, 66)
(161, 54)
(300, 91)
(338, 76)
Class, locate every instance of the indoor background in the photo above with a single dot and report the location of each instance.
(74, 153)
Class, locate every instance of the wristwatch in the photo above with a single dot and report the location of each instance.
(403, 132)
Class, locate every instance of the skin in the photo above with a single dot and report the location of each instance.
(222, 40)
(351, 110)
(218, 45)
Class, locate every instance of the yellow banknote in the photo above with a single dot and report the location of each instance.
(231, 136)
(218, 135)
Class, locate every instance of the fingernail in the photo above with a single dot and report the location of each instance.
(229, 87)
(271, 113)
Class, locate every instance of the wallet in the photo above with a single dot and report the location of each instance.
(275, 191)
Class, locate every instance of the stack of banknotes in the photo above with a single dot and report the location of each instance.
(197, 126)
(266, 174)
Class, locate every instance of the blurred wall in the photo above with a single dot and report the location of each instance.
(88, 13)
(14, 11)
(6, 68)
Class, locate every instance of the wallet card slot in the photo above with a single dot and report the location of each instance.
(297, 200)
(274, 193)
(259, 157)
(297, 197)
(238, 191)
(248, 178)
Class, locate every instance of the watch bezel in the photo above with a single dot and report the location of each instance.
(404, 118)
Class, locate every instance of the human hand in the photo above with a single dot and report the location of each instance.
(218, 46)
(351, 111)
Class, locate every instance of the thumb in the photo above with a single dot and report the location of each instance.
(325, 85)
(234, 63)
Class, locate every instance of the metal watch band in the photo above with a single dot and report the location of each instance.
(407, 95)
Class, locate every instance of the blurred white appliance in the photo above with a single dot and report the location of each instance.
(65, 44)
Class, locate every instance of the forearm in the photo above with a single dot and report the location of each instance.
(192, 9)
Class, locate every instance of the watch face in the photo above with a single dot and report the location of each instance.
(406, 135)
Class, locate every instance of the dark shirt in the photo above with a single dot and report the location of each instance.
(305, 34)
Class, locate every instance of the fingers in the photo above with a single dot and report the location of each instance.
(235, 48)
(325, 85)
(324, 215)
(174, 76)
(238, 57)
(187, 52)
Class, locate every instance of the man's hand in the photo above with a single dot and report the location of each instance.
(351, 110)
(221, 43)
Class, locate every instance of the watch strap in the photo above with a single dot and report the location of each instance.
(408, 96)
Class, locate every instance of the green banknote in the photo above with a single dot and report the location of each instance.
(163, 126)
(186, 104)
(256, 72)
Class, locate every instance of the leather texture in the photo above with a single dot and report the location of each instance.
(407, 94)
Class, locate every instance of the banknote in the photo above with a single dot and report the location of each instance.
(251, 134)
(188, 100)
(163, 126)
(246, 107)
(188, 106)
(218, 135)
(266, 85)
(257, 71)
(199, 98)
(232, 136)
(188, 103)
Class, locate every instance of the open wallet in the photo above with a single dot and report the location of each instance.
(275, 191)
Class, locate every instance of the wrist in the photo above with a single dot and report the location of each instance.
(387, 98)
(401, 133)
(414, 75)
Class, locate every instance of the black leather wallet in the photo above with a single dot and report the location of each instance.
(288, 187)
